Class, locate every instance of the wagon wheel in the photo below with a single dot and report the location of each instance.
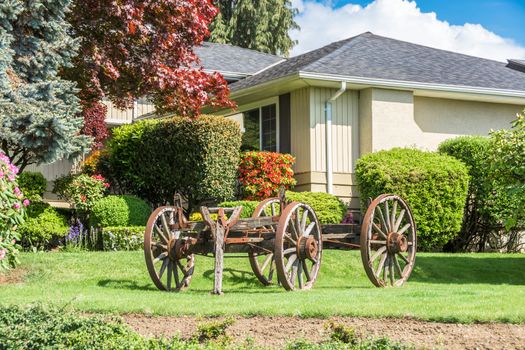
(263, 263)
(298, 247)
(388, 241)
(170, 266)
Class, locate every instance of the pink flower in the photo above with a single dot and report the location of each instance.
(26, 202)
(16, 205)
(17, 190)
(2, 254)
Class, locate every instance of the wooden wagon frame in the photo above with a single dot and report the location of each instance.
(283, 241)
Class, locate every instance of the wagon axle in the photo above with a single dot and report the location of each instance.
(284, 243)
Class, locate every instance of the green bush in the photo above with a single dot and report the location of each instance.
(488, 202)
(328, 208)
(82, 191)
(123, 238)
(435, 186)
(32, 184)
(119, 211)
(196, 158)
(43, 223)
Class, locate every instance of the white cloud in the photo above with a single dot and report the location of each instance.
(322, 24)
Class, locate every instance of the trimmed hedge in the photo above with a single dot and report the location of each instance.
(435, 186)
(196, 158)
(32, 184)
(122, 237)
(119, 211)
(43, 223)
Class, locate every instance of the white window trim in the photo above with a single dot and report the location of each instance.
(259, 105)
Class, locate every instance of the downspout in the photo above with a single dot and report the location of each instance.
(328, 112)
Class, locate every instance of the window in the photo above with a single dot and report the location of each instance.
(260, 129)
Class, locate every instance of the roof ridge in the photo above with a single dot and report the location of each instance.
(346, 43)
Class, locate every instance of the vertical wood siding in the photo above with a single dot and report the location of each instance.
(345, 130)
(53, 170)
(300, 125)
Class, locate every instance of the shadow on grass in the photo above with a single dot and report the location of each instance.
(235, 276)
(450, 269)
(125, 284)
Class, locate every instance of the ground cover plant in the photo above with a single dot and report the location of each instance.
(481, 287)
(37, 327)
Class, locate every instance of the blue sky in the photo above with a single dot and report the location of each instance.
(484, 28)
(505, 18)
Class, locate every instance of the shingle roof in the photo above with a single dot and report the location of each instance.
(228, 58)
(372, 56)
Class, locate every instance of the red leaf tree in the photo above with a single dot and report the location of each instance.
(135, 48)
(94, 114)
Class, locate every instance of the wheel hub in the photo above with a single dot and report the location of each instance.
(396, 243)
(307, 248)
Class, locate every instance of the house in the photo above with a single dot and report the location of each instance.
(329, 106)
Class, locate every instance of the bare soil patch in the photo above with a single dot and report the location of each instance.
(12, 276)
(276, 332)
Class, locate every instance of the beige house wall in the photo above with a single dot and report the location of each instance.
(392, 118)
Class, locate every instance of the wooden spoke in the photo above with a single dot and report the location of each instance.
(375, 241)
(309, 229)
(165, 226)
(387, 217)
(298, 266)
(393, 216)
(399, 220)
(378, 230)
(391, 270)
(406, 227)
(176, 275)
(268, 259)
(291, 261)
(300, 275)
(382, 250)
(398, 267)
(306, 272)
(378, 253)
(381, 264)
(170, 267)
(163, 267)
(160, 257)
(403, 258)
(159, 232)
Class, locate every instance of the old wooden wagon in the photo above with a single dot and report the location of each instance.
(283, 241)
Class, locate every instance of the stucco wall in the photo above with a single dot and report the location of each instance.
(391, 118)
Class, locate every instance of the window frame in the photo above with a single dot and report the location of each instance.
(259, 105)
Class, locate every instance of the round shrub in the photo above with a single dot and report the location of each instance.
(434, 185)
(120, 211)
(12, 205)
(328, 208)
(42, 224)
(32, 184)
(195, 158)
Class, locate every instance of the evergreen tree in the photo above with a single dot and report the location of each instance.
(261, 25)
(39, 120)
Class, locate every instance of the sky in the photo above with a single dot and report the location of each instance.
(485, 28)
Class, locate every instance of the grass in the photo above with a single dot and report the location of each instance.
(443, 287)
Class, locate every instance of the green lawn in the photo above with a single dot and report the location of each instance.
(445, 287)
